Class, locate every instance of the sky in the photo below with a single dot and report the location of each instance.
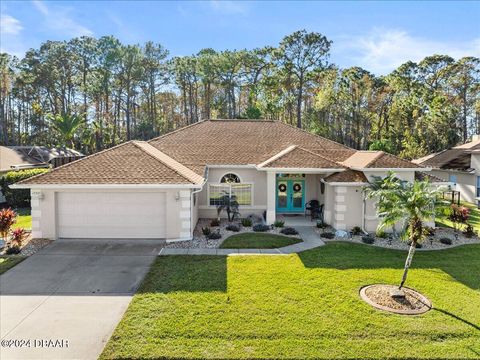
(378, 36)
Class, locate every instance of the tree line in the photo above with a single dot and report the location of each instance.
(92, 94)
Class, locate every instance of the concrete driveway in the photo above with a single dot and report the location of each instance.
(65, 301)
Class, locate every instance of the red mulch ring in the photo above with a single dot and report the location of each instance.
(379, 296)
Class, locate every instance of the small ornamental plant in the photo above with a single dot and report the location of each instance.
(8, 217)
(469, 231)
(246, 222)
(206, 231)
(17, 237)
(458, 215)
(279, 223)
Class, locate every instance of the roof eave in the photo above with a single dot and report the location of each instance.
(302, 170)
(104, 186)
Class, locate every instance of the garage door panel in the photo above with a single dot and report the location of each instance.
(111, 215)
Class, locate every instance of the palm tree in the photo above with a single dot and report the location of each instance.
(408, 203)
(229, 204)
(67, 125)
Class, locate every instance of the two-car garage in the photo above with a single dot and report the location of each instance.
(111, 215)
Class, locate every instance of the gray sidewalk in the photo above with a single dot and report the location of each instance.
(310, 240)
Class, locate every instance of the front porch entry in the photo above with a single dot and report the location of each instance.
(290, 193)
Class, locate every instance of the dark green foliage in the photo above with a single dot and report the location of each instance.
(13, 250)
(381, 234)
(18, 197)
(279, 223)
(289, 231)
(232, 227)
(446, 241)
(206, 231)
(246, 222)
(356, 230)
(368, 239)
(469, 231)
(228, 203)
(321, 224)
(214, 222)
(214, 236)
(327, 235)
(260, 228)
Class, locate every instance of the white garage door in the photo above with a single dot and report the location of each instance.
(116, 215)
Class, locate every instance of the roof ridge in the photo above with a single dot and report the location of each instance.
(168, 161)
(278, 155)
(399, 158)
(323, 157)
(75, 162)
(378, 155)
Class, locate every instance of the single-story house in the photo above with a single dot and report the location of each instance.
(460, 166)
(159, 189)
(32, 157)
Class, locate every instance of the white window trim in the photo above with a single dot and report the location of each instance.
(252, 191)
(233, 173)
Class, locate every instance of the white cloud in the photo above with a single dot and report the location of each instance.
(9, 25)
(59, 19)
(383, 50)
(229, 7)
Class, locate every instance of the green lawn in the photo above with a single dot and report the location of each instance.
(9, 262)
(258, 241)
(24, 219)
(301, 306)
(474, 218)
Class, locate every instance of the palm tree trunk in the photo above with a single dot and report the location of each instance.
(408, 262)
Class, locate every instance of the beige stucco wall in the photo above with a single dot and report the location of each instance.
(178, 212)
(466, 183)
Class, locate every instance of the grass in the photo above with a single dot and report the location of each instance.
(474, 219)
(24, 219)
(257, 241)
(301, 306)
(7, 262)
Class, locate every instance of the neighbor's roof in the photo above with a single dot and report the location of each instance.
(214, 142)
(348, 176)
(129, 163)
(26, 157)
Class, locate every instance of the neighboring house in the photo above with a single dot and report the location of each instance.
(160, 188)
(32, 157)
(460, 166)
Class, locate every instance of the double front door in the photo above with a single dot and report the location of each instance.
(290, 196)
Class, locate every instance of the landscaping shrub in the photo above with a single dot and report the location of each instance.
(260, 228)
(459, 214)
(18, 197)
(233, 227)
(8, 217)
(446, 241)
(214, 236)
(469, 232)
(381, 234)
(215, 222)
(327, 235)
(356, 230)
(246, 222)
(279, 223)
(289, 231)
(321, 224)
(206, 231)
(13, 250)
(18, 235)
(368, 239)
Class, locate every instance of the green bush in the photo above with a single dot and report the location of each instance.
(446, 241)
(233, 227)
(279, 223)
(214, 236)
(327, 235)
(469, 231)
(289, 231)
(18, 197)
(206, 231)
(321, 224)
(356, 230)
(246, 222)
(260, 228)
(368, 239)
(215, 222)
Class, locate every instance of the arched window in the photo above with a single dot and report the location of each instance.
(230, 179)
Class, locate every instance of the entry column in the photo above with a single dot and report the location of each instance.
(271, 197)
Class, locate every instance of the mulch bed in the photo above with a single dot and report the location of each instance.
(379, 296)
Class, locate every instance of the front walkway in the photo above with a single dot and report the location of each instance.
(307, 233)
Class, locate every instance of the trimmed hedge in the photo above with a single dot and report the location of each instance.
(18, 197)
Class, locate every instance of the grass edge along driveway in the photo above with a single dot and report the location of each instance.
(304, 305)
(7, 262)
(258, 241)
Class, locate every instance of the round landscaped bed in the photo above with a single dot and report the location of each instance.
(381, 297)
(258, 241)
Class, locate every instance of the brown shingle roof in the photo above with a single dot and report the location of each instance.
(168, 159)
(458, 159)
(421, 176)
(347, 176)
(127, 163)
(297, 157)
